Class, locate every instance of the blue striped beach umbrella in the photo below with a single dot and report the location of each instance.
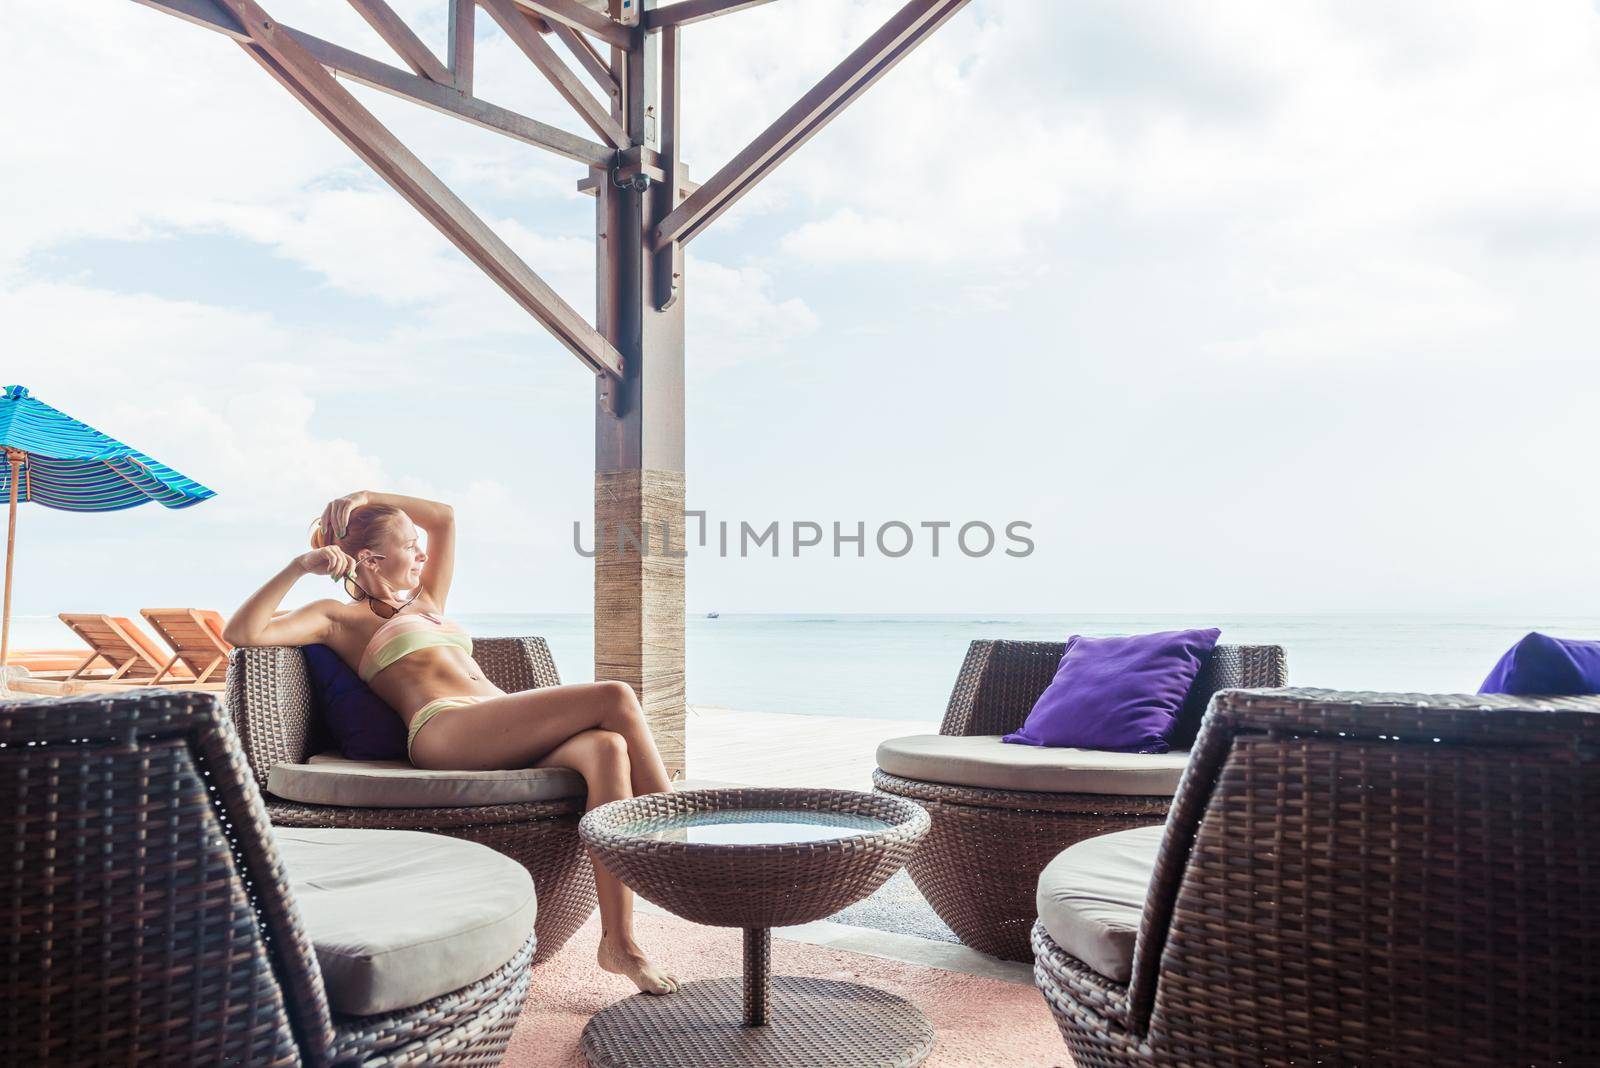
(54, 460)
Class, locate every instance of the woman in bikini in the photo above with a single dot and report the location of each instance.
(393, 632)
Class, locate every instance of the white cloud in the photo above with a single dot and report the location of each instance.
(152, 372)
(1331, 258)
(737, 318)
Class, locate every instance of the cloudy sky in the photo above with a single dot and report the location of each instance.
(1244, 306)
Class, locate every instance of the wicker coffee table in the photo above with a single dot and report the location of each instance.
(757, 859)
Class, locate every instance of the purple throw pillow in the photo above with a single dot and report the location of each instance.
(1120, 694)
(364, 726)
(1542, 665)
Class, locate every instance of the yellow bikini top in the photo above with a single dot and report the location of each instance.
(404, 635)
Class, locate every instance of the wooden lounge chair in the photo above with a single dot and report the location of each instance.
(1344, 878)
(154, 916)
(195, 635)
(126, 649)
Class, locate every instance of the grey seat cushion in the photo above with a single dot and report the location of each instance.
(398, 917)
(1092, 895)
(986, 762)
(330, 779)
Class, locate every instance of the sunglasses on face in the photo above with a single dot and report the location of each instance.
(381, 609)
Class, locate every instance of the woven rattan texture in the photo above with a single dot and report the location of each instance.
(1364, 878)
(146, 915)
(128, 929)
(814, 1023)
(757, 975)
(269, 697)
(754, 885)
(980, 864)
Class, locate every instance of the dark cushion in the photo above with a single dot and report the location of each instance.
(1542, 665)
(1118, 694)
(360, 723)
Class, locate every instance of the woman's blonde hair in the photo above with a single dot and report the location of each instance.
(368, 526)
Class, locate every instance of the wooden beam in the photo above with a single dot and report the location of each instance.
(461, 43)
(909, 27)
(393, 80)
(519, 28)
(406, 44)
(378, 75)
(588, 59)
(208, 14)
(570, 13)
(282, 56)
(668, 272)
(687, 11)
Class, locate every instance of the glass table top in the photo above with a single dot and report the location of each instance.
(753, 826)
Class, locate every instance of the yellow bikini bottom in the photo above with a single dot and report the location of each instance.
(433, 708)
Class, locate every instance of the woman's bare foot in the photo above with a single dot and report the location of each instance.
(627, 959)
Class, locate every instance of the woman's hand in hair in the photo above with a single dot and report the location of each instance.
(336, 517)
(328, 560)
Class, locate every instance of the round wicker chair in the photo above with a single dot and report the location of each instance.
(1363, 878)
(147, 917)
(269, 698)
(980, 864)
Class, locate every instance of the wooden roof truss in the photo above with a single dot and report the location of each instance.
(602, 37)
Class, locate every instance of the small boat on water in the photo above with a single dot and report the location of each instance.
(713, 615)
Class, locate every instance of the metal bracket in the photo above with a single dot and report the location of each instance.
(634, 179)
(609, 394)
(668, 275)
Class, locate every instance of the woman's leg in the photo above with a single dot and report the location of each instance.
(601, 757)
(598, 730)
(521, 729)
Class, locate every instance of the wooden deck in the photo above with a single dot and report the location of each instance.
(778, 749)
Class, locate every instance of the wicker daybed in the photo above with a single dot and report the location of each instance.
(1345, 878)
(269, 697)
(151, 915)
(1002, 812)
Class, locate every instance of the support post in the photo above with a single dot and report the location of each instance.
(461, 44)
(669, 191)
(639, 480)
(14, 458)
(757, 976)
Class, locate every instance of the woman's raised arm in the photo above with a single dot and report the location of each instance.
(253, 622)
(438, 519)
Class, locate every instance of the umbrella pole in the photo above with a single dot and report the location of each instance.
(15, 459)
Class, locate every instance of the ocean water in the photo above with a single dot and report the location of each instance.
(902, 666)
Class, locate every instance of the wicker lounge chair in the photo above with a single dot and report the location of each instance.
(1002, 812)
(195, 635)
(1345, 878)
(269, 698)
(151, 914)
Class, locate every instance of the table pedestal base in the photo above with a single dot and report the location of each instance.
(811, 1023)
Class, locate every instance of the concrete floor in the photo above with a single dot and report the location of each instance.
(780, 749)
